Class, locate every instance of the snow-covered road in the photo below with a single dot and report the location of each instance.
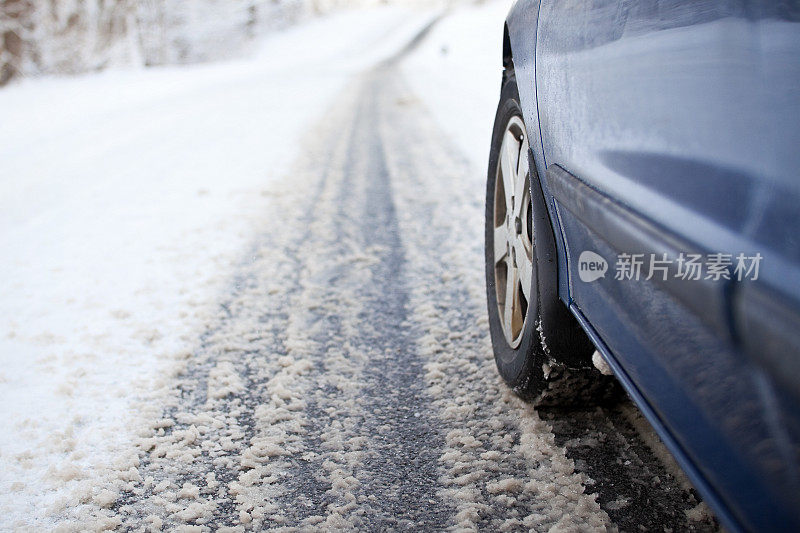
(223, 306)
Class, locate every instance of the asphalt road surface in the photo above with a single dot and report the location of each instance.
(348, 380)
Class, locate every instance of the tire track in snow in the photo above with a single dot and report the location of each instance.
(402, 464)
(238, 406)
(369, 471)
(206, 452)
(316, 474)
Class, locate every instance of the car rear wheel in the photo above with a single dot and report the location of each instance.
(540, 350)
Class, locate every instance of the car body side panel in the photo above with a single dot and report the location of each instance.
(706, 394)
(683, 115)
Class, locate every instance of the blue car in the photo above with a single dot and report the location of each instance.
(643, 216)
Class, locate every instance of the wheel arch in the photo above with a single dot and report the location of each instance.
(508, 57)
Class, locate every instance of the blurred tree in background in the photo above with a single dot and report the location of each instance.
(72, 36)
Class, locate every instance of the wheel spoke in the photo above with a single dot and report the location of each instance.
(513, 309)
(524, 268)
(500, 243)
(511, 300)
(508, 166)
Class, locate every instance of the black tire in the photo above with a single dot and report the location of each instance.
(551, 365)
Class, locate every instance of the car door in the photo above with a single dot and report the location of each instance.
(669, 132)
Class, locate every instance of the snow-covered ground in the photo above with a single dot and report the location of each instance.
(126, 200)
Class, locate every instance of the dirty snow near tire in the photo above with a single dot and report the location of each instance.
(346, 381)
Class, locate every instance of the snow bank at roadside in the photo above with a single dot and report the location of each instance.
(75, 36)
(126, 202)
(456, 72)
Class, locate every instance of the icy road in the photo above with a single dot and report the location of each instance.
(334, 369)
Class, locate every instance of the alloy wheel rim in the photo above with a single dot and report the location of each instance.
(513, 230)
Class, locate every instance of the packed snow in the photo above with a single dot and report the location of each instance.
(127, 199)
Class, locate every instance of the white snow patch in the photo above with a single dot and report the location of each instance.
(600, 364)
(700, 513)
(456, 72)
(223, 380)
